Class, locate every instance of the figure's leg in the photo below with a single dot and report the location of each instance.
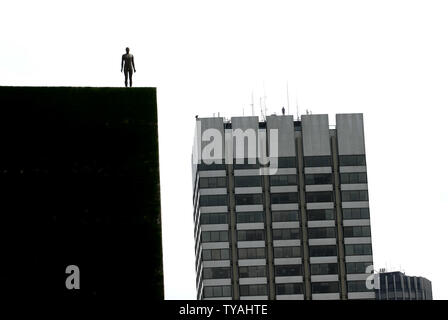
(125, 77)
(130, 77)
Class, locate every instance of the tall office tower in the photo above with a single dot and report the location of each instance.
(299, 232)
(398, 286)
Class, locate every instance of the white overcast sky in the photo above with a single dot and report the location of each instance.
(386, 59)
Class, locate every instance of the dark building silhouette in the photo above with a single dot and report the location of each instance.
(79, 185)
(398, 286)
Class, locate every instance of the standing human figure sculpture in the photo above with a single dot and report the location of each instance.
(127, 61)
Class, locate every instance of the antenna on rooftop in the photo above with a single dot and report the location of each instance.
(252, 104)
(297, 109)
(261, 108)
(265, 107)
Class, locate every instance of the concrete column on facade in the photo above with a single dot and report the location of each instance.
(269, 240)
(233, 238)
(339, 220)
(303, 220)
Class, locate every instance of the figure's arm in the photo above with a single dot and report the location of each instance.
(133, 64)
(122, 62)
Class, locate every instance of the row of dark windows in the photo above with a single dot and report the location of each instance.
(358, 249)
(248, 199)
(317, 161)
(284, 216)
(320, 214)
(252, 271)
(215, 254)
(294, 270)
(357, 286)
(212, 166)
(279, 252)
(280, 162)
(214, 236)
(260, 253)
(355, 213)
(217, 291)
(327, 178)
(213, 182)
(287, 162)
(251, 253)
(250, 235)
(290, 162)
(213, 200)
(325, 287)
(328, 214)
(262, 289)
(291, 270)
(324, 268)
(353, 177)
(322, 232)
(253, 290)
(248, 181)
(282, 289)
(217, 273)
(288, 288)
(239, 164)
(323, 251)
(215, 218)
(284, 197)
(291, 252)
(283, 180)
(288, 270)
(319, 178)
(355, 195)
(250, 217)
(357, 267)
(286, 234)
(274, 180)
(352, 160)
(321, 196)
(357, 231)
(287, 252)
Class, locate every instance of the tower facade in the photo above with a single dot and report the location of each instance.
(281, 208)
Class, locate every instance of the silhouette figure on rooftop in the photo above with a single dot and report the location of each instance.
(128, 61)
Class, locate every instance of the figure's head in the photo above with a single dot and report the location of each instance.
(127, 50)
